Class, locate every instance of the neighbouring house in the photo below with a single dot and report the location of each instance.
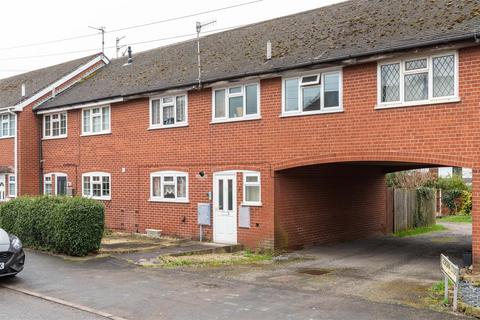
(445, 172)
(20, 133)
(288, 134)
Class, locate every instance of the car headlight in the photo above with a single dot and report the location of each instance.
(15, 243)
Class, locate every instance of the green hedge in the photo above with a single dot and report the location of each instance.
(69, 225)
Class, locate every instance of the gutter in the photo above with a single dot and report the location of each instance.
(194, 84)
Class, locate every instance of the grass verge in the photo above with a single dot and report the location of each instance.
(459, 218)
(215, 260)
(418, 231)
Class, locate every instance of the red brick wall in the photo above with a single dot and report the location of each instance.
(29, 132)
(323, 204)
(7, 152)
(433, 135)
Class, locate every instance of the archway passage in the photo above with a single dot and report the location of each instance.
(331, 202)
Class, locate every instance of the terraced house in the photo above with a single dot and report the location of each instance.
(288, 132)
(20, 134)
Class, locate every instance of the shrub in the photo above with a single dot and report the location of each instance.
(466, 203)
(410, 179)
(424, 211)
(452, 199)
(451, 183)
(73, 226)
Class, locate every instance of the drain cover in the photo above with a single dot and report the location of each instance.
(314, 271)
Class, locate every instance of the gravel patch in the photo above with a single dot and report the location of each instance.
(470, 294)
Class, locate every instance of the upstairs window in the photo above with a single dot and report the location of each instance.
(7, 125)
(169, 186)
(168, 111)
(241, 102)
(96, 120)
(310, 94)
(96, 185)
(55, 125)
(420, 80)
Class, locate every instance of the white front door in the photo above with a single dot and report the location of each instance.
(225, 208)
(3, 181)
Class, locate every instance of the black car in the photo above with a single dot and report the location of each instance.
(12, 257)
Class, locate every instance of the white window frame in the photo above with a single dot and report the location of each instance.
(321, 74)
(51, 136)
(176, 124)
(45, 183)
(8, 122)
(51, 175)
(228, 95)
(246, 184)
(100, 175)
(431, 100)
(14, 182)
(91, 133)
(162, 175)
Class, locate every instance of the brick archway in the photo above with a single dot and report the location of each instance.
(328, 197)
(368, 156)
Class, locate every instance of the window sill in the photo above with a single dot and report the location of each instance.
(418, 103)
(9, 137)
(171, 126)
(301, 114)
(95, 134)
(100, 198)
(251, 204)
(169, 201)
(215, 121)
(54, 138)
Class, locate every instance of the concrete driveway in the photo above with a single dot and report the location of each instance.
(378, 278)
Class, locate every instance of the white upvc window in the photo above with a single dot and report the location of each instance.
(12, 186)
(251, 189)
(96, 120)
(47, 185)
(55, 125)
(7, 125)
(236, 103)
(96, 185)
(168, 111)
(418, 81)
(169, 186)
(312, 93)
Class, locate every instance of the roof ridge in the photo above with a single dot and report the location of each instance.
(92, 56)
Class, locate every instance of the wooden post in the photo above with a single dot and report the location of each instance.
(446, 289)
(455, 296)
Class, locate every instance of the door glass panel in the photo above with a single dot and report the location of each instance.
(61, 186)
(230, 194)
(220, 194)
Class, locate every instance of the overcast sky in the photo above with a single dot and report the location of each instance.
(31, 22)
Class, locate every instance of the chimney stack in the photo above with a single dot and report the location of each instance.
(269, 50)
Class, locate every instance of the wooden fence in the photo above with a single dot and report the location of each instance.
(405, 211)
